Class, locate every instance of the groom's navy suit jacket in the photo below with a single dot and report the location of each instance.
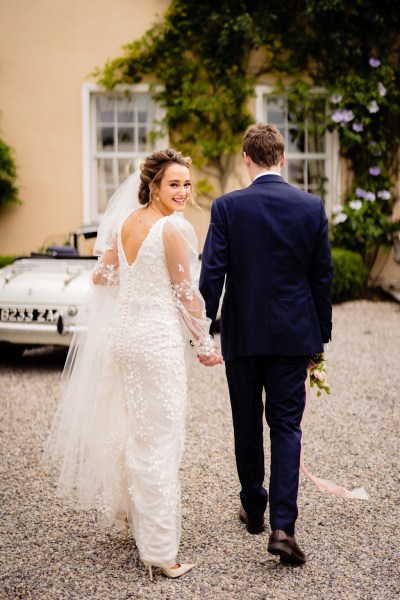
(271, 241)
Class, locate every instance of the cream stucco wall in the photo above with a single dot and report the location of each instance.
(47, 50)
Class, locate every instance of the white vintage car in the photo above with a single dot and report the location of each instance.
(41, 296)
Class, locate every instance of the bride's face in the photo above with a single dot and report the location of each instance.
(174, 190)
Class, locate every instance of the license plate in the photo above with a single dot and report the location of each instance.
(27, 315)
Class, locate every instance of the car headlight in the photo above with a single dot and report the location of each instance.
(72, 310)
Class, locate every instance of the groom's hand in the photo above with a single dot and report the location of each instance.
(315, 360)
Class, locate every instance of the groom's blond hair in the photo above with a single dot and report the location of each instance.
(264, 144)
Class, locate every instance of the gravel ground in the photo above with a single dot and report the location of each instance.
(49, 551)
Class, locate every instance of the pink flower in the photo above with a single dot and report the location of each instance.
(342, 116)
(336, 98)
(319, 375)
(355, 204)
(337, 208)
(373, 107)
(370, 196)
(375, 171)
(339, 218)
(382, 89)
(374, 63)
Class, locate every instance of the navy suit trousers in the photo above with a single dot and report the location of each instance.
(283, 379)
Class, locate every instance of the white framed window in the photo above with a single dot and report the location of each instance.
(312, 160)
(118, 130)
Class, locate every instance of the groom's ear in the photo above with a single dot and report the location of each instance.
(246, 160)
(282, 161)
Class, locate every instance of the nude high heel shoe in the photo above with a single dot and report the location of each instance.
(124, 523)
(127, 528)
(170, 571)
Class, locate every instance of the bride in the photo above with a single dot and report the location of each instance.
(118, 435)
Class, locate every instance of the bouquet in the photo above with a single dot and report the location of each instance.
(318, 374)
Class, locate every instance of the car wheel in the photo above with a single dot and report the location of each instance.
(10, 352)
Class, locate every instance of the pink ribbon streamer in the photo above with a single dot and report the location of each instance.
(323, 484)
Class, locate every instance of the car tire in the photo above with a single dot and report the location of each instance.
(9, 352)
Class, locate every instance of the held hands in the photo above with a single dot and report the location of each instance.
(207, 352)
(209, 360)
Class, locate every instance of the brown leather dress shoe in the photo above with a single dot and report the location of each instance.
(284, 545)
(252, 525)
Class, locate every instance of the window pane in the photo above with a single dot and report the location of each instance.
(276, 111)
(296, 173)
(143, 102)
(126, 167)
(105, 172)
(105, 138)
(295, 141)
(143, 140)
(125, 109)
(103, 196)
(110, 174)
(296, 137)
(316, 177)
(105, 108)
(106, 183)
(316, 120)
(126, 139)
(316, 142)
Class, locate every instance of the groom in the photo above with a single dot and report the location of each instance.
(270, 242)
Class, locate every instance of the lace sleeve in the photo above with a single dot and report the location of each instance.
(181, 255)
(106, 271)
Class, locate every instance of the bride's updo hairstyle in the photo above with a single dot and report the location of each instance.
(154, 167)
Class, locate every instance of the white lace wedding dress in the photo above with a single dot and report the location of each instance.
(119, 431)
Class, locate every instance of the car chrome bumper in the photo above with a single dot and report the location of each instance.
(36, 333)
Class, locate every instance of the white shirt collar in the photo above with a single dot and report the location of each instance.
(267, 173)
